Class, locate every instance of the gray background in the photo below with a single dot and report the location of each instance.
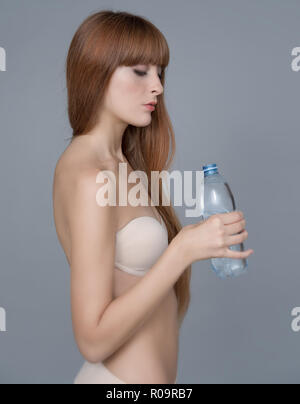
(234, 100)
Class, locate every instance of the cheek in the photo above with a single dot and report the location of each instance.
(131, 89)
(126, 95)
(129, 96)
(130, 85)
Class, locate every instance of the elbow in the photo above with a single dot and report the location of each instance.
(91, 351)
(90, 355)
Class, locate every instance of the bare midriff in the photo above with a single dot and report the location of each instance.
(150, 355)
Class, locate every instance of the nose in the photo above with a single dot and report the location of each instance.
(156, 84)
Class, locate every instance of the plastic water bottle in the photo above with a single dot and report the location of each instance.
(218, 198)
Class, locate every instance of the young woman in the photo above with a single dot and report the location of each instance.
(130, 265)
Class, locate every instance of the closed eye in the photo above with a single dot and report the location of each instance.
(140, 73)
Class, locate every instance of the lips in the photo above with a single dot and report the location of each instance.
(150, 107)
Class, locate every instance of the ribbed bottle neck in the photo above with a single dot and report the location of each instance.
(210, 169)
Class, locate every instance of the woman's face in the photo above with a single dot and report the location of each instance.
(130, 88)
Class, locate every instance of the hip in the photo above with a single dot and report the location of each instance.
(98, 373)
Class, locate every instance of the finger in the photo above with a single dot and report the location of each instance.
(239, 254)
(237, 238)
(234, 228)
(231, 217)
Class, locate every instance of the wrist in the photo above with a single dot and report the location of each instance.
(180, 250)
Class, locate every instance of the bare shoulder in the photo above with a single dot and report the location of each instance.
(80, 187)
(76, 164)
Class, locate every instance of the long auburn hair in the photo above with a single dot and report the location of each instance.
(104, 41)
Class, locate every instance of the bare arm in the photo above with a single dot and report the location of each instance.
(125, 314)
(92, 233)
(102, 324)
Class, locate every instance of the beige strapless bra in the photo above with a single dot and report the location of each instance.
(139, 244)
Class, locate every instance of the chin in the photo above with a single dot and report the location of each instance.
(141, 124)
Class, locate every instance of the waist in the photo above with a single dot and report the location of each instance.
(150, 355)
(143, 366)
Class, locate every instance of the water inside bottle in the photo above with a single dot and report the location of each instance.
(228, 267)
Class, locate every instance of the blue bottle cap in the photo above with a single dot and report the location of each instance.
(212, 168)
